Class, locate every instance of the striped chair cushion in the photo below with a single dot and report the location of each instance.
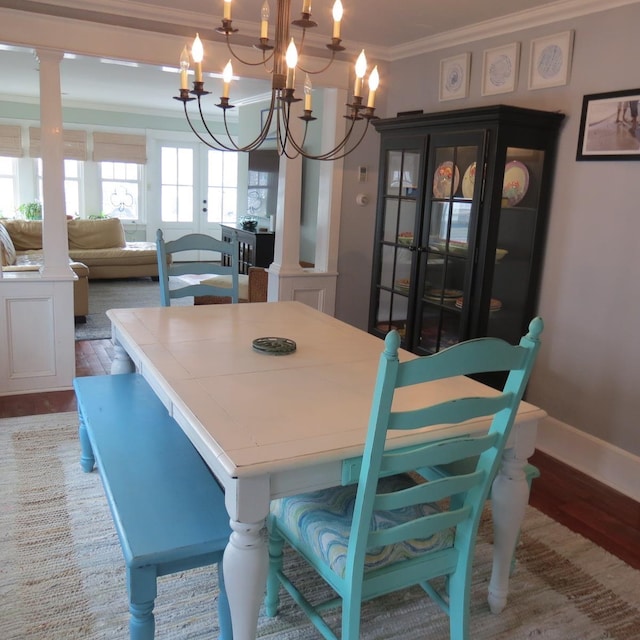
(321, 520)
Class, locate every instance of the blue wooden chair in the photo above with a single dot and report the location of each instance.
(221, 281)
(389, 532)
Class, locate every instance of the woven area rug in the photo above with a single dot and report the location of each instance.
(118, 294)
(62, 574)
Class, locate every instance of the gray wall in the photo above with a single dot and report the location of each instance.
(588, 372)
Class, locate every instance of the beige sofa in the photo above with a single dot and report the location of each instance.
(97, 250)
(21, 250)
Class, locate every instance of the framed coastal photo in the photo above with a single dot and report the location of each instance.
(609, 126)
(454, 77)
(550, 60)
(500, 69)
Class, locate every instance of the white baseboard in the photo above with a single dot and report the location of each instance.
(604, 462)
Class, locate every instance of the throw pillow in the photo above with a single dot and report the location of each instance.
(7, 250)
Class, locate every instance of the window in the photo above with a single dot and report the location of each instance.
(120, 182)
(222, 186)
(8, 187)
(177, 184)
(72, 185)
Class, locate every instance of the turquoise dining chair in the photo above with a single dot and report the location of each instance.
(391, 530)
(221, 280)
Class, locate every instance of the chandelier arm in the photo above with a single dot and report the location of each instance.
(223, 147)
(335, 153)
(289, 136)
(333, 55)
(264, 60)
(199, 136)
(332, 154)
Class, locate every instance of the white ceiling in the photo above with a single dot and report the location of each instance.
(391, 30)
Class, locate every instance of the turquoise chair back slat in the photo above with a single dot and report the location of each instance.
(451, 412)
(392, 530)
(214, 248)
(444, 452)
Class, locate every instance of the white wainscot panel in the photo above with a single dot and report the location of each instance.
(30, 328)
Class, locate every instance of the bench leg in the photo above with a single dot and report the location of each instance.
(142, 588)
(87, 460)
(224, 615)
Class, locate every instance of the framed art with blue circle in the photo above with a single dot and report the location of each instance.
(454, 77)
(550, 60)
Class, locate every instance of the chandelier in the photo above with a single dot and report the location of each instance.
(281, 61)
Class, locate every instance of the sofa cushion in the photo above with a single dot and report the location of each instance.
(95, 234)
(33, 261)
(25, 234)
(7, 250)
(133, 254)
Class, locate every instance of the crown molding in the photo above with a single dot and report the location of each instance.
(540, 16)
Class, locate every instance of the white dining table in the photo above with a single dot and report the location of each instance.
(275, 425)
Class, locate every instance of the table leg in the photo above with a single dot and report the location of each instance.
(121, 363)
(246, 564)
(509, 498)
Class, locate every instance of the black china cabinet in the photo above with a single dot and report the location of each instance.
(463, 201)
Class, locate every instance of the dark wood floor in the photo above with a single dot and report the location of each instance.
(574, 499)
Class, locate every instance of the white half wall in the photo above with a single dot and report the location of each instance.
(37, 351)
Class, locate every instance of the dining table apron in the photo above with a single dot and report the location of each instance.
(270, 424)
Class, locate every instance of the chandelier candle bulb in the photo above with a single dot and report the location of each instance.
(197, 53)
(264, 24)
(307, 93)
(184, 68)
(227, 74)
(226, 10)
(337, 17)
(306, 7)
(374, 81)
(361, 69)
(292, 60)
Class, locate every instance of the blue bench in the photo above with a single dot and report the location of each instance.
(167, 507)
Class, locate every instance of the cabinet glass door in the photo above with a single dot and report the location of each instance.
(397, 240)
(448, 247)
(515, 246)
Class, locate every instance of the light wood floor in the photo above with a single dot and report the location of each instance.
(606, 517)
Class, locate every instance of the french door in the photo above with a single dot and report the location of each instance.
(197, 190)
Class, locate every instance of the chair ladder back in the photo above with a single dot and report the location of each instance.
(197, 242)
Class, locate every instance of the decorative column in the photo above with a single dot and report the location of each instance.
(287, 280)
(54, 223)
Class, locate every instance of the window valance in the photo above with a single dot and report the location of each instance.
(119, 147)
(74, 143)
(11, 141)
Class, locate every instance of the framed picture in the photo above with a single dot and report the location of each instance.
(264, 113)
(609, 126)
(500, 69)
(454, 77)
(550, 60)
